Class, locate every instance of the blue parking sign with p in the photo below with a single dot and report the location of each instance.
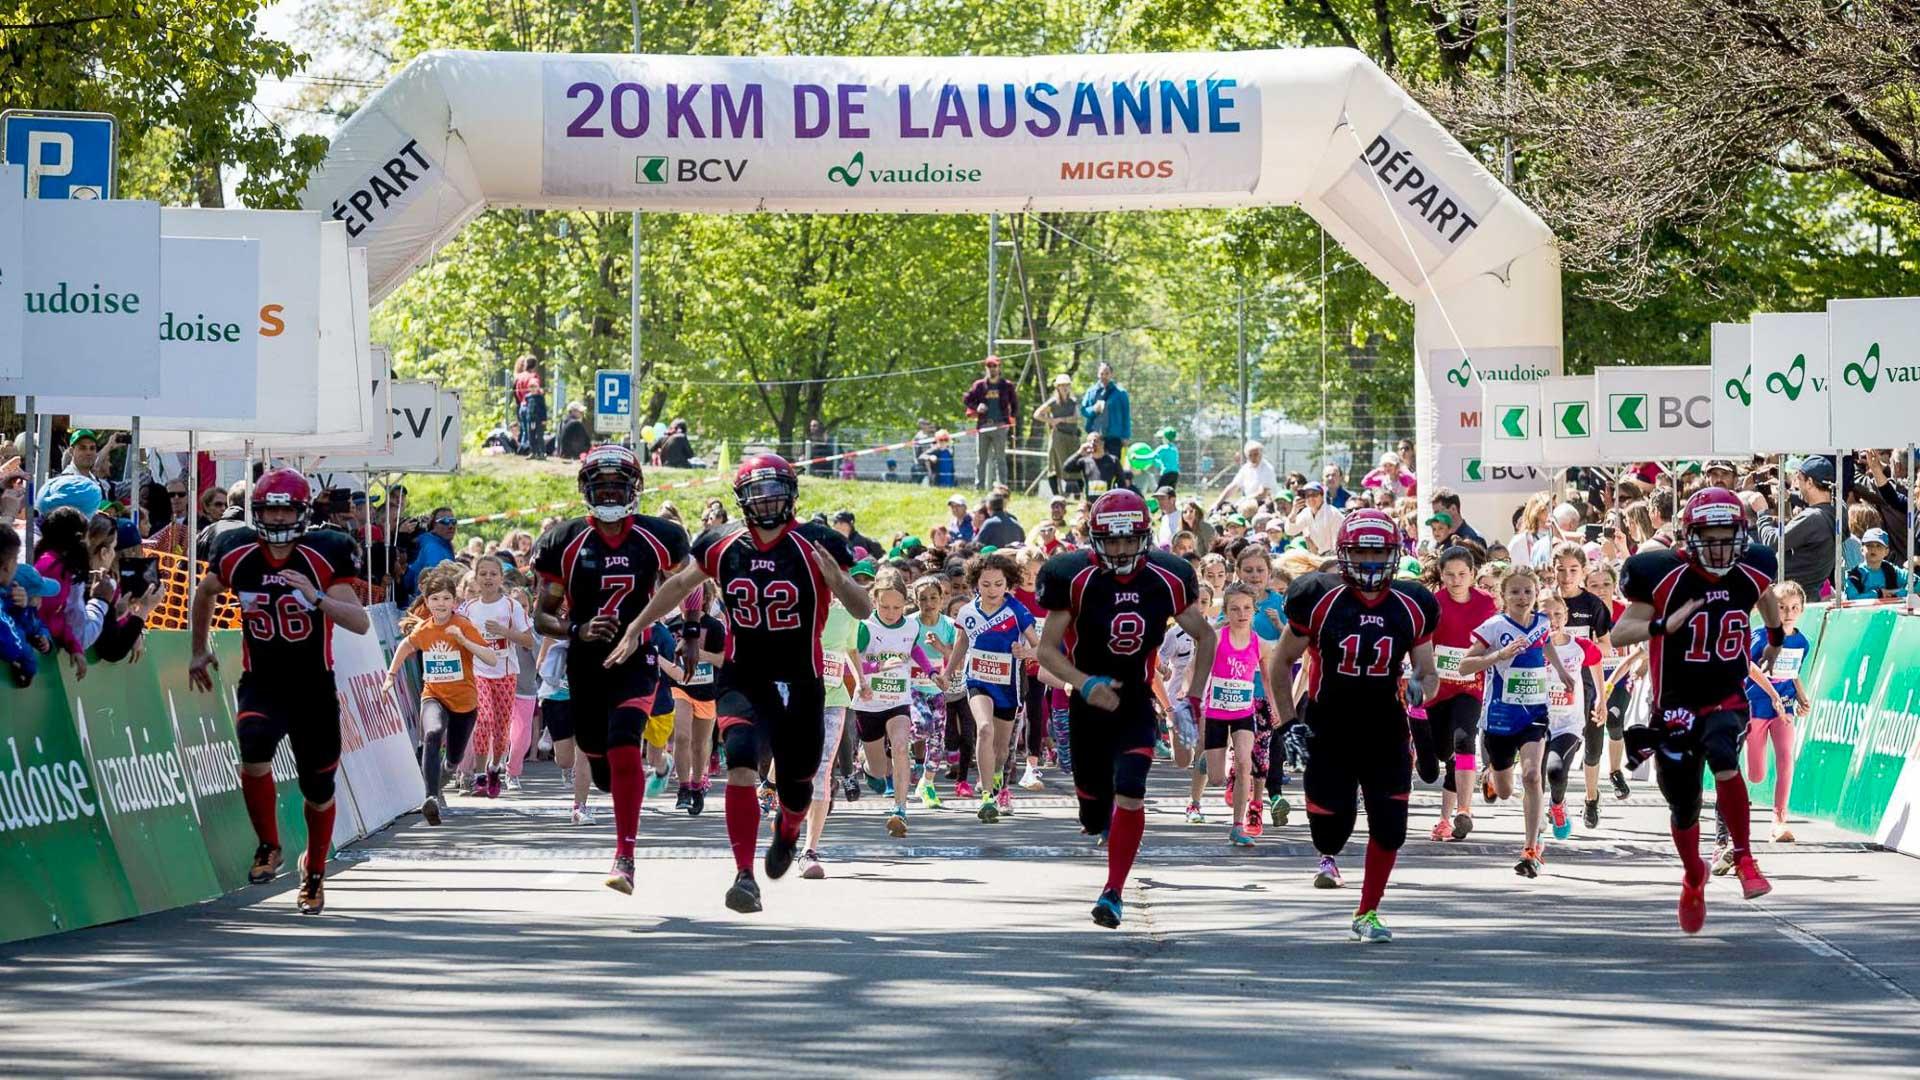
(63, 155)
(612, 400)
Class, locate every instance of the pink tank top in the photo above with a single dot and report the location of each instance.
(1230, 684)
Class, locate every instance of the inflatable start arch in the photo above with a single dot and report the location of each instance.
(1323, 129)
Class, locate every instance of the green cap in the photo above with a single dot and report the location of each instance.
(989, 549)
(864, 566)
(77, 434)
(1168, 434)
(1409, 567)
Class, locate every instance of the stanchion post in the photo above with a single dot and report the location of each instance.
(193, 514)
(1839, 531)
(36, 475)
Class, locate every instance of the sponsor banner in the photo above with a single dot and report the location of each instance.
(12, 276)
(1843, 773)
(424, 429)
(1457, 382)
(1464, 468)
(1790, 384)
(90, 298)
(663, 130)
(1567, 418)
(377, 758)
(1510, 424)
(1401, 167)
(1732, 388)
(1875, 395)
(1653, 413)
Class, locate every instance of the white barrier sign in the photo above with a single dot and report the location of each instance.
(91, 284)
(1733, 388)
(1790, 384)
(1875, 398)
(1510, 424)
(209, 300)
(377, 759)
(424, 428)
(1567, 418)
(12, 273)
(1654, 413)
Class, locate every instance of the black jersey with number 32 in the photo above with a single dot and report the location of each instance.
(1359, 645)
(284, 635)
(1701, 662)
(776, 596)
(608, 577)
(1118, 623)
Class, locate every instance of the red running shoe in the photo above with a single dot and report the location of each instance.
(1693, 905)
(1752, 882)
(1252, 827)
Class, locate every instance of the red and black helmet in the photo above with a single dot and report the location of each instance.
(610, 481)
(1119, 515)
(1714, 508)
(1369, 549)
(766, 487)
(280, 489)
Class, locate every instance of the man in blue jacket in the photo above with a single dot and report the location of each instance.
(1105, 409)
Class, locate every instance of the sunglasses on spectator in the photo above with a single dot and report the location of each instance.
(446, 521)
(171, 494)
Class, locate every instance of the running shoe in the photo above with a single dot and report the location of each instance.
(699, 802)
(1782, 834)
(493, 783)
(566, 777)
(713, 761)
(1723, 860)
(1370, 930)
(850, 789)
(1003, 798)
(1194, 816)
(1592, 817)
(1693, 905)
(620, 878)
(430, 810)
(897, 822)
(989, 812)
(266, 863)
(1226, 796)
(479, 788)
(683, 798)
(1239, 837)
(1486, 787)
(583, 816)
(780, 854)
(766, 800)
(1253, 817)
(964, 790)
(810, 867)
(1031, 781)
(1462, 825)
(1753, 884)
(1106, 910)
(1163, 750)
(929, 796)
(1279, 809)
(512, 782)
(312, 897)
(744, 896)
(877, 784)
(1620, 788)
(1442, 830)
(1329, 875)
(1529, 864)
(1562, 825)
(656, 784)
(1099, 838)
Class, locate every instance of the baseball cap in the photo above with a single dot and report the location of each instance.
(956, 500)
(1818, 469)
(125, 535)
(77, 434)
(1063, 379)
(1313, 487)
(864, 566)
(68, 489)
(1440, 516)
(843, 517)
(992, 361)
(1168, 434)
(1876, 536)
(1720, 465)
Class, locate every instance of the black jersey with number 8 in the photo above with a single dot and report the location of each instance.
(1118, 623)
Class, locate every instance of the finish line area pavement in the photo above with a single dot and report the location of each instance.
(489, 946)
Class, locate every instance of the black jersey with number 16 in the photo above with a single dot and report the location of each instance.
(1359, 646)
(776, 597)
(1701, 663)
(1118, 623)
(608, 577)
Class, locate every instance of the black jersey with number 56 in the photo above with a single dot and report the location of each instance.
(283, 634)
(1118, 623)
(1701, 662)
(776, 597)
(1359, 646)
(608, 577)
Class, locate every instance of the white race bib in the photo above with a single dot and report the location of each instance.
(1447, 658)
(1229, 695)
(833, 669)
(888, 689)
(702, 674)
(440, 666)
(1786, 665)
(992, 668)
(1524, 686)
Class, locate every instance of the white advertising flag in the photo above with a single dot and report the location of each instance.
(91, 285)
(1567, 418)
(1875, 399)
(1654, 413)
(424, 421)
(1790, 384)
(1733, 388)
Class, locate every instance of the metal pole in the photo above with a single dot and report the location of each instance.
(133, 470)
(633, 409)
(191, 548)
(247, 475)
(1913, 594)
(366, 534)
(1780, 512)
(36, 473)
(1506, 166)
(1241, 349)
(1839, 532)
(993, 280)
(1324, 403)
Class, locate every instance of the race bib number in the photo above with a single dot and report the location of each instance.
(1230, 695)
(1583, 633)
(702, 674)
(1524, 686)
(833, 669)
(441, 667)
(991, 668)
(889, 688)
(1447, 658)
(1787, 664)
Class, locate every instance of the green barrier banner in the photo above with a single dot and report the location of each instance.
(1896, 743)
(1845, 674)
(202, 725)
(229, 652)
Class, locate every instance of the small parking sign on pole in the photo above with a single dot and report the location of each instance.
(612, 402)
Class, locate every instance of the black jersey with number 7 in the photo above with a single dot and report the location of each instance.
(605, 577)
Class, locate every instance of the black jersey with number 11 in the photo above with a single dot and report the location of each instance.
(1359, 646)
(1118, 623)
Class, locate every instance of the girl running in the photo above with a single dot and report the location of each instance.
(503, 622)
(961, 733)
(1176, 658)
(703, 644)
(449, 646)
(1031, 731)
(1512, 645)
(1775, 698)
(556, 714)
(888, 648)
(991, 626)
(1230, 707)
(1453, 715)
(1567, 711)
(837, 665)
(929, 696)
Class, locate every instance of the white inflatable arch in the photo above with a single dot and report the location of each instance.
(1323, 129)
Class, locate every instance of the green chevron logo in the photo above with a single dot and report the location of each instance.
(1513, 422)
(1570, 419)
(650, 170)
(1628, 412)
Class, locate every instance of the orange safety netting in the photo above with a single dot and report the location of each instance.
(175, 609)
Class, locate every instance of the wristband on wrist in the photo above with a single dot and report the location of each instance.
(1776, 636)
(1092, 682)
(1657, 627)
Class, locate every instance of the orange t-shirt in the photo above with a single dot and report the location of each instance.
(446, 667)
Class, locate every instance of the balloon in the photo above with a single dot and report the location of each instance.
(649, 433)
(1139, 456)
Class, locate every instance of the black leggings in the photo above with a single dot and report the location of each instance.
(1560, 751)
(757, 721)
(1715, 739)
(441, 726)
(1034, 703)
(1449, 731)
(1112, 752)
(1341, 770)
(962, 733)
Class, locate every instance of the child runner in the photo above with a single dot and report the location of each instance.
(1229, 705)
(1453, 714)
(503, 622)
(837, 664)
(1617, 668)
(888, 649)
(990, 626)
(1512, 645)
(556, 715)
(1776, 698)
(1176, 660)
(703, 641)
(1567, 710)
(448, 696)
(657, 737)
(961, 732)
(929, 698)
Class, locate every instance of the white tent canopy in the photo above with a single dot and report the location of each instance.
(1323, 129)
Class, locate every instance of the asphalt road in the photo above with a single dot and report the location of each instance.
(489, 946)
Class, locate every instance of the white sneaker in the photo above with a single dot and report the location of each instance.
(584, 816)
(513, 782)
(1030, 780)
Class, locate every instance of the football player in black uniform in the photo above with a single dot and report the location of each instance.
(776, 577)
(596, 573)
(1359, 626)
(1695, 606)
(294, 586)
(1107, 612)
